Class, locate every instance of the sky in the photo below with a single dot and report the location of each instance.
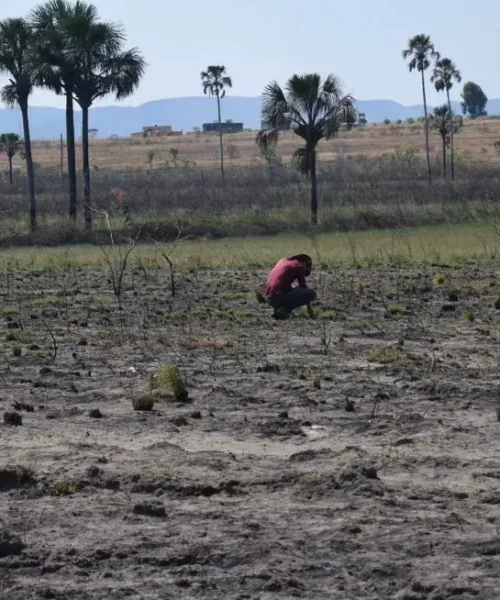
(263, 40)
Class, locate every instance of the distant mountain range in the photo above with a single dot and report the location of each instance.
(184, 114)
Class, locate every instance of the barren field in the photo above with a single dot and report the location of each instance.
(475, 140)
(352, 457)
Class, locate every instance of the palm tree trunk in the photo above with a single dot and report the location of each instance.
(10, 169)
(426, 130)
(86, 169)
(220, 139)
(70, 141)
(29, 165)
(444, 156)
(452, 150)
(314, 189)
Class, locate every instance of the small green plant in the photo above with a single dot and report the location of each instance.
(384, 356)
(12, 418)
(10, 336)
(33, 347)
(497, 303)
(17, 351)
(439, 278)
(25, 474)
(395, 309)
(65, 488)
(9, 311)
(170, 378)
(83, 341)
(259, 296)
(193, 414)
(361, 287)
(469, 316)
(101, 300)
(143, 403)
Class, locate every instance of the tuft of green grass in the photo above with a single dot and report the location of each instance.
(384, 356)
(65, 488)
(469, 316)
(497, 303)
(26, 474)
(193, 414)
(395, 309)
(17, 351)
(319, 315)
(83, 341)
(9, 311)
(169, 377)
(10, 336)
(439, 278)
(259, 296)
(143, 403)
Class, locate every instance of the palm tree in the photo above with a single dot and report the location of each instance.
(443, 75)
(215, 81)
(16, 60)
(96, 48)
(56, 70)
(441, 122)
(420, 51)
(314, 109)
(10, 144)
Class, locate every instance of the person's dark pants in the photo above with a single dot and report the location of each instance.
(295, 298)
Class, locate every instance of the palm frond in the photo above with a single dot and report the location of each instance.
(276, 112)
(302, 160)
(267, 138)
(8, 94)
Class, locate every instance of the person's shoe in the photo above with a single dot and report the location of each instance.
(281, 314)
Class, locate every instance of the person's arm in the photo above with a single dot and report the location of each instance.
(301, 277)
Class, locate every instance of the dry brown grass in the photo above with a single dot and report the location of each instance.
(476, 140)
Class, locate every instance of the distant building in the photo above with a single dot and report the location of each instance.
(226, 127)
(157, 131)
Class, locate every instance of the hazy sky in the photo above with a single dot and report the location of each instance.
(262, 40)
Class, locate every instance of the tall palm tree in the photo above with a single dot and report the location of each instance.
(56, 70)
(96, 48)
(17, 61)
(215, 81)
(420, 52)
(443, 75)
(10, 145)
(314, 109)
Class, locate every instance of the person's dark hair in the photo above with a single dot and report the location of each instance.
(305, 259)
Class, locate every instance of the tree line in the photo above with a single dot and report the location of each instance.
(65, 47)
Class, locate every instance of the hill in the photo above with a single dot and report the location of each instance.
(184, 113)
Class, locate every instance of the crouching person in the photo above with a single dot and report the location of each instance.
(281, 295)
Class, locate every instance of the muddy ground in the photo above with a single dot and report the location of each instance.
(384, 483)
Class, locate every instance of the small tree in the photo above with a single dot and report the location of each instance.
(214, 82)
(444, 125)
(443, 75)
(474, 100)
(10, 144)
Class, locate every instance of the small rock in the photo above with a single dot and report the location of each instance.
(10, 545)
(149, 509)
(95, 413)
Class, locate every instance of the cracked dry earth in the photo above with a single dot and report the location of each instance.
(384, 483)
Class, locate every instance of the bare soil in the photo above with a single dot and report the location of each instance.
(384, 483)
